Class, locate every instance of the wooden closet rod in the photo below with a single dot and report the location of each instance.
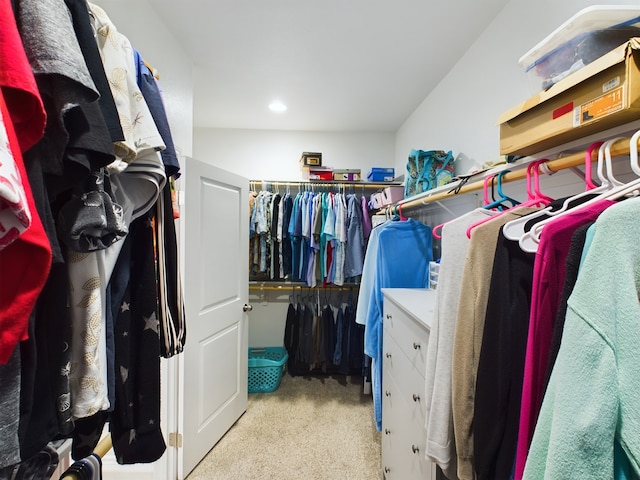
(620, 147)
(104, 445)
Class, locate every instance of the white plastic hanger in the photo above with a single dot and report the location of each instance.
(609, 184)
(631, 188)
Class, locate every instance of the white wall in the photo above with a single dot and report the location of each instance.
(151, 37)
(461, 113)
(274, 155)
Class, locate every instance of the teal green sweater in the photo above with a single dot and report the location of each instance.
(593, 398)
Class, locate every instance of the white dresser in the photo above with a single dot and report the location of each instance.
(407, 320)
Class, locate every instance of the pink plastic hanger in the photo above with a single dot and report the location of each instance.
(485, 199)
(588, 159)
(515, 229)
(609, 185)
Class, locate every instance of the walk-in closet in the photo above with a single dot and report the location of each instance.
(325, 241)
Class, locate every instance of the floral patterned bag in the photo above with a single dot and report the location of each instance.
(427, 170)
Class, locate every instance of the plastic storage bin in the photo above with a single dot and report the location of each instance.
(266, 366)
(381, 174)
(586, 36)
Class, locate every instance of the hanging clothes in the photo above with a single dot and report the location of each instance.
(90, 107)
(589, 409)
(548, 279)
(468, 334)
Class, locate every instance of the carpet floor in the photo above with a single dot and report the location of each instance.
(311, 428)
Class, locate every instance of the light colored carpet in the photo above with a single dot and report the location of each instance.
(311, 428)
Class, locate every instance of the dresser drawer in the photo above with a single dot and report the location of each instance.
(403, 438)
(412, 337)
(410, 381)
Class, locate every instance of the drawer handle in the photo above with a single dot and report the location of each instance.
(415, 449)
(389, 317)
(386, 470)
(416, 397)
(387, 393)
(388, 355)
(416, 346)
(387, 431)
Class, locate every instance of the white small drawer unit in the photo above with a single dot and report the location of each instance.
(407, 321)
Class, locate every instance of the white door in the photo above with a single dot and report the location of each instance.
(216, 245)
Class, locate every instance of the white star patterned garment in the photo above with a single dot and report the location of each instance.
(124, 307)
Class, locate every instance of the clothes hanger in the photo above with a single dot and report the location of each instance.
(609, 184)
(503, 197)
(631, 188)
(496, 204)
(515, 229)
(485, 197)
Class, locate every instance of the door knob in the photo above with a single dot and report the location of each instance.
(247, 307)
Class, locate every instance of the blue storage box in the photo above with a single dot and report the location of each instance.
(266, 366)
(381, 175)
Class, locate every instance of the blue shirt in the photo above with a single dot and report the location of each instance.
(402, 261)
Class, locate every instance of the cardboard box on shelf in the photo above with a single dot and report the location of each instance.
(601, 95)
(311, 159)
(348, 174)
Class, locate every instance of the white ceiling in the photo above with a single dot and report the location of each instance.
(339, 65)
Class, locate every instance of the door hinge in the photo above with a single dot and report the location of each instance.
(175, 440)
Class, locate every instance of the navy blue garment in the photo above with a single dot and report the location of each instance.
(151, 93)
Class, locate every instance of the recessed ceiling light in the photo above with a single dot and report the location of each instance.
(277, 107)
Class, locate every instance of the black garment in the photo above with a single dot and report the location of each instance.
(329, 334)
(173, 328)
(501, 363)
(275, 245)
(347, 320)
(75, 140)
(356, 341)
(91, 220)
(338, 332)
(286, 239)
(571, 276)
(84, 33)
(135, 422)
(293, 331)
(45, 408)
(306, 336)
(86, 434)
